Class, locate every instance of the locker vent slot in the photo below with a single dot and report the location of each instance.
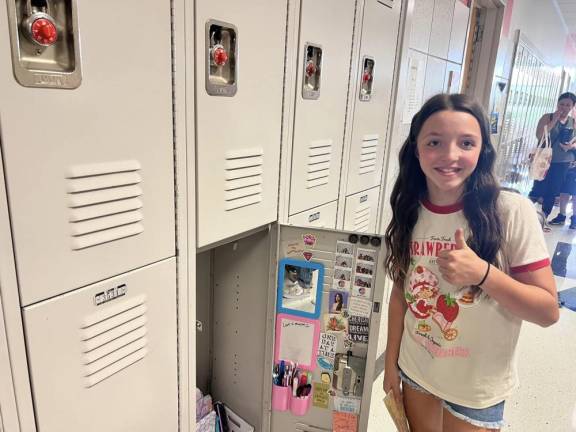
(105, 202)
(368, 154)
(362, 218)
(243, 178)
(319, 161)
(114, 339)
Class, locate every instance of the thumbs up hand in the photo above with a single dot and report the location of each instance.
(461, 266)
(460, 240)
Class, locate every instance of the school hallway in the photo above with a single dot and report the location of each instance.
(545, 400)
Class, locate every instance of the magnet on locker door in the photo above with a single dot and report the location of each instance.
(221, 58)
(312, 72)
(367, 79)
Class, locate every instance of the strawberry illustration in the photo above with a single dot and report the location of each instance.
(447, 306)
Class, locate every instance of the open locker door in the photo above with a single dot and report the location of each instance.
(253, 297)
(330, 295)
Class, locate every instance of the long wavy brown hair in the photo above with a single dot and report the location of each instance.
(481, 191)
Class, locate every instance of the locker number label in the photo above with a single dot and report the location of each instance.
(110, 294)
(314, 217)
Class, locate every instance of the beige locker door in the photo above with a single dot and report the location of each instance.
(103, 358)
(440, 31)
(379, 39)
(238, 136)
(90, 170)
(452, 78)
(422, 15)
(434, 81)
(321, 217)
(459, 31)
(362, 211)
(319, 123)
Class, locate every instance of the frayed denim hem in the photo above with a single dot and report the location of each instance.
(412, 384)
(477, 423)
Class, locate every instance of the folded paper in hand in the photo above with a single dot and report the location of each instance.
(396, 412)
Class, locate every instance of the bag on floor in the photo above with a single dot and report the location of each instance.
(542, 157)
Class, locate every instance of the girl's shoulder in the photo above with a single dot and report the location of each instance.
(513, 206)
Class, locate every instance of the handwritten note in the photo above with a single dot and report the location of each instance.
(297, 341)
(293, 249)
(344, 422)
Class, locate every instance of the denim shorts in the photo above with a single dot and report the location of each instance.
(489, 418)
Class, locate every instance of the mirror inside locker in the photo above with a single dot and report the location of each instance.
(45, 43)
(221, 58)
(367, 79)
(312, 72)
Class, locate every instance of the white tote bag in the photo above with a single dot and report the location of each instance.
(542, 157)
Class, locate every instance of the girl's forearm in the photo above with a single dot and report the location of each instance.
(396, 312)
(529, 302)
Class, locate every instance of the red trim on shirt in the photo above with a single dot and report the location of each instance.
(531, 267)
(452, 208)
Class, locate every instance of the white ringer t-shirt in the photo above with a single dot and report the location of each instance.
(458, 343)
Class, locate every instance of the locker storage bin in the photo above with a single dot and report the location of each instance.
(233, 298)
(361, 212)
(322, 216)
(90, 169)
(369, 127)
(240, 67)
(103, 358)
(321, 89)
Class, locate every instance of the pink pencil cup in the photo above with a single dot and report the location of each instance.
(299, 406)
(281, 398)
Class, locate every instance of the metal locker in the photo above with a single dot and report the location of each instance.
(422, 15)
(321, 90)
(459, 31)
(104, 357)
(434, 81)
(372, 95)
(87, 142)
(440, 31)
(361, 212)
(452, 78)
(322, 217)
(240, 67)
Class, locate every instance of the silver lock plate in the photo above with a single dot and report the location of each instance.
(51, 58)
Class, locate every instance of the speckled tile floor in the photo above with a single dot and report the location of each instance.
(546, 398)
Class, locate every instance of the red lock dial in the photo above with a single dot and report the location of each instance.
(366, 77)
(44, 32)
(219, 55)
(310, 68)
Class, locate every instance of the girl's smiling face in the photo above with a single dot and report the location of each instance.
(448, 148)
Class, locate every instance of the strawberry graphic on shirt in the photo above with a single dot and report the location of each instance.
(446, 313)
(422, 289)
